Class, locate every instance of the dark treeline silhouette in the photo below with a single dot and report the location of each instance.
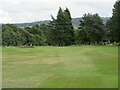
(60, 31)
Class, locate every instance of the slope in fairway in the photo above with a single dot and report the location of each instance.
(60, 67)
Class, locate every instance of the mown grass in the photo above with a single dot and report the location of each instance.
(60, 67)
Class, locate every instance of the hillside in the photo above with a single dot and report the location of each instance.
(75, 22)
(32, 23)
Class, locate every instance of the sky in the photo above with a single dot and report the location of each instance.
(19, 11)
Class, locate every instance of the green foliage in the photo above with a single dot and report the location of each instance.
(0, 35)
(91, 29)
(113, 25)
(116, 20)
(37, 32)
(12, 35)
(61, 29)
(110, 30)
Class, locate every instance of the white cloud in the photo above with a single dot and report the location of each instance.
(4, 17)
(32, 10)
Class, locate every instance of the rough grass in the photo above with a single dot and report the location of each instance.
(60, 67)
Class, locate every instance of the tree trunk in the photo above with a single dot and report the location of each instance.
(89, 43)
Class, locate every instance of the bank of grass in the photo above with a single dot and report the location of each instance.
(60, 67)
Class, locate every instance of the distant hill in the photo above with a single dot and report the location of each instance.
(32, 23)
(75, 22)
(105, 19)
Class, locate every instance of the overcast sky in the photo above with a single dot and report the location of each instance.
(17, 11)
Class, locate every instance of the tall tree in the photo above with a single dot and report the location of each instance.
(63, 31)
(110, 31)
(37, 32)
(113, 24)
(92, 27)
(14, 36)
(69, 26)
(116, 21)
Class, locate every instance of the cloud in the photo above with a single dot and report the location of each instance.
(12, 11)
(4, 17)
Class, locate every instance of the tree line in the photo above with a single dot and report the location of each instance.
(60, 31)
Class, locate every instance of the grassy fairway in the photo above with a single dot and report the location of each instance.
(60, 67)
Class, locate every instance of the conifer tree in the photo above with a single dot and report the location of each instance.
(64, 33)
(116, 20)
(113, 24)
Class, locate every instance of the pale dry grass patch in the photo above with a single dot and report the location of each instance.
(28, 82)
(40, 59)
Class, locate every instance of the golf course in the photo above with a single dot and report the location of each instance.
(60, 67)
